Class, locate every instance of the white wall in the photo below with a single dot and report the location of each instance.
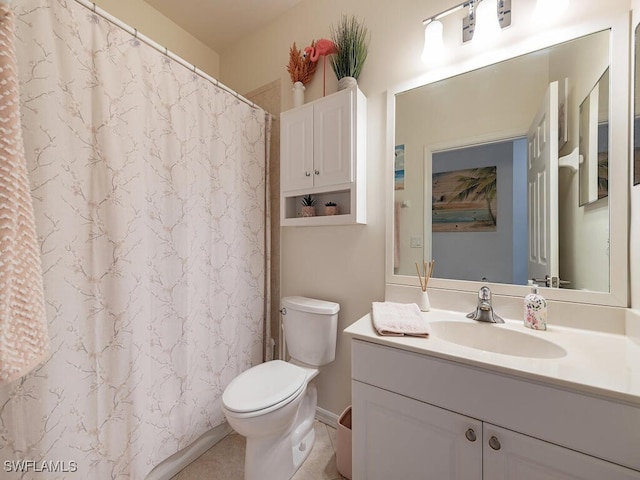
(139, 14)
(346, 264)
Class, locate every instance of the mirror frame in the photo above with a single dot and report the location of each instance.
(618, 22)
(635, 85)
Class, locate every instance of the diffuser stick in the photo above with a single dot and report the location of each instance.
(431, 265)
(426, 274)
(422, 286)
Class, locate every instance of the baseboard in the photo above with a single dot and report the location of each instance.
(179, 460)
(327, 417)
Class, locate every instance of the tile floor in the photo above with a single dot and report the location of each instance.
(225, 460)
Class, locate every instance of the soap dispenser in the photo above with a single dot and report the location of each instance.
(535, 310)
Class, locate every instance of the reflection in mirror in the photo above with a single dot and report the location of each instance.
(636, 111)
(480, 182)
(593, 143)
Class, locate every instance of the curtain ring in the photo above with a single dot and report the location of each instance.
(135, 33)
(94, 7)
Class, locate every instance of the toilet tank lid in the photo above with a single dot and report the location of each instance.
(311, 305)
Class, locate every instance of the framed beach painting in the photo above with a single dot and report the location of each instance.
(399, 167)
(465, 200)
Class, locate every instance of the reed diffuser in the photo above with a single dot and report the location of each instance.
(423, 302)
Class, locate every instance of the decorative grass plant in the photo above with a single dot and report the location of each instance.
(308, 201)
(351, 39)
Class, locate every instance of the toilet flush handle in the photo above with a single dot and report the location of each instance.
(283, 310)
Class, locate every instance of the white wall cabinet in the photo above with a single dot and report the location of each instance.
(323, 147)
(430, 422)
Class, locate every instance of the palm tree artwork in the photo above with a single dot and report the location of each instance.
(603, 174)
(465, 200)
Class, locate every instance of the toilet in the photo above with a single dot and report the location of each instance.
(274, 404)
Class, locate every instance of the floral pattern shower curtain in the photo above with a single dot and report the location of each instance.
(149, 194)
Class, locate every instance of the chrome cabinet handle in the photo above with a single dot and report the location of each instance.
(317, 172)
(494, 443)
(307, 174)
(471, 435)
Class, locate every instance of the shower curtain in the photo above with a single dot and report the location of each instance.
(149, 193)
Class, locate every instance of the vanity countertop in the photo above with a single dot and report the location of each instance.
(602, 364)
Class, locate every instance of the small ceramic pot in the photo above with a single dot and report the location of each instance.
(309, 211)
(347, 82)
(423, 301)
(331, 210)
(298, 94)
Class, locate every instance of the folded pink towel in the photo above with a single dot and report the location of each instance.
(397, 319)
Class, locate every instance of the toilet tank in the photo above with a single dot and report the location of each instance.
(310, 329)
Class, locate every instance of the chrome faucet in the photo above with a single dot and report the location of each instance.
(484, 311)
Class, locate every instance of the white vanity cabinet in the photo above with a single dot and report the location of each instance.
(401, 438)
(421, 417)
(322, 153)
(509, 455)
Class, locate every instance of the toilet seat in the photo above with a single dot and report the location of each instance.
(264, 388)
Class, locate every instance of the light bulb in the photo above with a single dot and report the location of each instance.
(433, 50)
(487, 26)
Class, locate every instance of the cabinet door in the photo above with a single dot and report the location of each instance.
(333, 139)
(296, 149)
(395, 437)
(513, 456)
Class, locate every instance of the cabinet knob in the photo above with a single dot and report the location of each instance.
(317, 172)
(307, 174)
(471, 435)
(494, 443)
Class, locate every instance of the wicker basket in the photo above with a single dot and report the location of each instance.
(343, 444)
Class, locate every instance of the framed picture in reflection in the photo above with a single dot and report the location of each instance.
(465, 200)
(399, 167)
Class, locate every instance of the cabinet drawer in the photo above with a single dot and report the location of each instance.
(603, 428)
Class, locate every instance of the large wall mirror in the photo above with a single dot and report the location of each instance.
(502, 174)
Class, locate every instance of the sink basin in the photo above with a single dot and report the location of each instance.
(497, 339)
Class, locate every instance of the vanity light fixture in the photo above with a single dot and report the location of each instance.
(433, 38)
(433, 50)
(487, 24)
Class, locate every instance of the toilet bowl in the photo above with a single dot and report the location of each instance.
(274, 404)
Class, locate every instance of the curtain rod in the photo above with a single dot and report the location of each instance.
(156, 46)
